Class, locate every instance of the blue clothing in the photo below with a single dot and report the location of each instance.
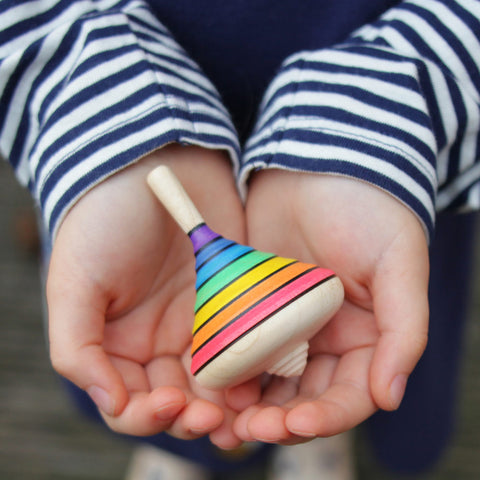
(89, 87)
(240, 45)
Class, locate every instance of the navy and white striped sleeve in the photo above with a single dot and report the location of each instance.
(396, 105)
(89, 87)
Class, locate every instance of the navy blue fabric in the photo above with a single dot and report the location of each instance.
(241, 44)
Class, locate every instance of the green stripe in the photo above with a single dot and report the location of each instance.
(228, 275)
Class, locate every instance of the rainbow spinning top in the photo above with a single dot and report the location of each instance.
(254, 311)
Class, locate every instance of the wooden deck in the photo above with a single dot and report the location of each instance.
(41, 435)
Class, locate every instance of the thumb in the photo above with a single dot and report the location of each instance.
(400, 292)
(76, 324)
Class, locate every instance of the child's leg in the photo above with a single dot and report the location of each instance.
(413, 438)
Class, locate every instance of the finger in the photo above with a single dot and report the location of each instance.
(281, 436)
(224, 436)
(268, 425)
(240, 397)
(165, 401)
(148, 413)
(221, 435)
(167, 370)
(200, 415)
(240, 425)
(258, 421)
(400, 293)
(76, 334)
(265, 421)
(345, 404)
(199, 418)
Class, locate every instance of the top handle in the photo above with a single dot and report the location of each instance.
(171, 193)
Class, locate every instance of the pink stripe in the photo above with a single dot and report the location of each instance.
(247, 321)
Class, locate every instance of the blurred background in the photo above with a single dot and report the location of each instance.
(42, 437)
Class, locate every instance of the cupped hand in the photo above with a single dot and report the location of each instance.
(362, 359)
(121, 291)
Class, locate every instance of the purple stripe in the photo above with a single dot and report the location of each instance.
(201, 236)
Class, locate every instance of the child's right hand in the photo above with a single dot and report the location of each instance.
(121, 291)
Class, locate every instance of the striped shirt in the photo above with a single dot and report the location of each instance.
(88, 87)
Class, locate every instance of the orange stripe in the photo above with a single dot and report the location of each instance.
(213, 325)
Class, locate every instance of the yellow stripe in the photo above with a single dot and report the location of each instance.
(239, 286)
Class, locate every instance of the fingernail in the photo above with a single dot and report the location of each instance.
(168, 412)
(102, 399)
(303, 434)
(397, 390)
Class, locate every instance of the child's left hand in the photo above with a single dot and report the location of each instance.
(361, 360)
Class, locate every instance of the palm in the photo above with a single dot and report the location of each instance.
(124, 272)
(377, 248)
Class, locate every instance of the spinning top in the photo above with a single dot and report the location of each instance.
(254, 311)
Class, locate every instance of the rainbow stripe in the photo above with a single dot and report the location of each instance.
(238, 288)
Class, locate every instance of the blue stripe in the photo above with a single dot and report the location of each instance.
(362, 147)
(205, 253)
(348, 119)
(358, 93)
(399, 79)
(209, 269)
(460, 198)
(362, 94)
(6, 5)
(31, 24)
(396, 78)
(15, 78)
(467, 17)
(462, 133)
(425, 87)
(451, 38)
(157, 27)
(47, 71)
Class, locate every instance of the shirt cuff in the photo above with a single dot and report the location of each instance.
(396, 105)
(317, 120)
(121, 89)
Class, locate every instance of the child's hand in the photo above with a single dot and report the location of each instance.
(121, 290)
(361, 360)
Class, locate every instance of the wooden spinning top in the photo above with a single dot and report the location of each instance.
(254, 311)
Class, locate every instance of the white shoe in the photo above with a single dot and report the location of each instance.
(150, 463)
(321, 459)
